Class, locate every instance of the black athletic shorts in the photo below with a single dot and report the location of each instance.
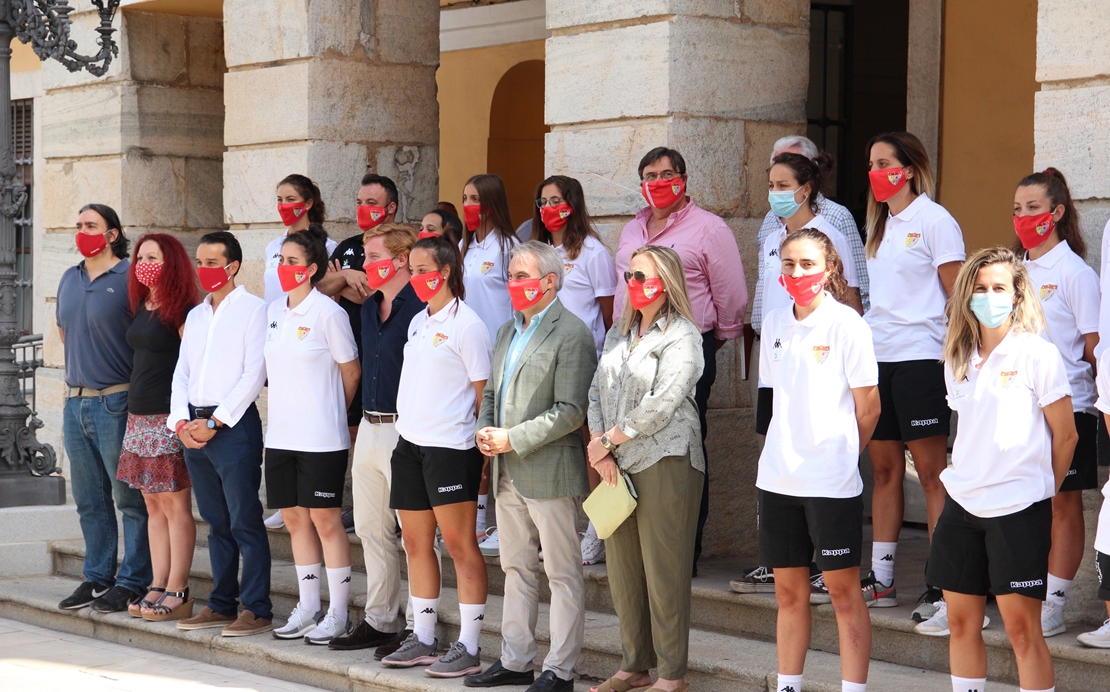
(764, 404)
(305, 479)
(1083, 474)
(1102, 571)
(1000, 555)
(1103, 441)
(790, 528)
(914, 401)
(427, 477)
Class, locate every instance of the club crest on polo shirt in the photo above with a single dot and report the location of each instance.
(302, 332)
(1007, 378)
(438, 339)
(486, 266)
(567, 268)
(776, 350)
(912, 239)
(1047, 291)
(820, 354)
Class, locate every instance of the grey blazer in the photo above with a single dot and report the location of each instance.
(545, 406)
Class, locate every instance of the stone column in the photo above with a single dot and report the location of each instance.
(1071, 132)
(146, 139)
(719, 81)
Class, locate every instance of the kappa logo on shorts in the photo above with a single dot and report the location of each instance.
(1073, 472)
(912, 239)
(438, 339)
(1047, 291)
(776, 350)
(1007, 378)
(323, 494)
(486, 266)
(1026, 584)
(450, 488)
(923, 422)
(820, 354)
(836, 552)
(302, 332)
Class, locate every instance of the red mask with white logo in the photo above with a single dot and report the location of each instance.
(213, 279)
(426, 234)
(886, 182)
(554, 218)
(472, 214)
(803, 289)
(148, 272)
(369, 216)
(661, 194)
(525, 293)
(90, 245)
(378, 273)
(1033, 230)
(427, 285)
(643, 293)
(292, 276)
(291, 213)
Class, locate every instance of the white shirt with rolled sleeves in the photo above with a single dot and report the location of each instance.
(1102, 535)
(1069, 294)
(486, 276)
(445, 354)
(907, 299)
(812, 447)
(220, 363)
(1002, 458)
(307, 408)
(270, 276)
(586, 278)
(1104, 285)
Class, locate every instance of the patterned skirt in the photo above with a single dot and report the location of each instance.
(153, 458)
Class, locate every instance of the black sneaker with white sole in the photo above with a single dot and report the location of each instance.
(117, 599)
(84, 595)
(759, 580)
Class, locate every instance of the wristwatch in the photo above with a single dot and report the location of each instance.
(607, 443)
(211, 424)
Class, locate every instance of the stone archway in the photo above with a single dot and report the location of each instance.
(516, 132)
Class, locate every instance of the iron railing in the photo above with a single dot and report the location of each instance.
(28, 358)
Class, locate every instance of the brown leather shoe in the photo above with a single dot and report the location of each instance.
(204, 619)
(246, 625)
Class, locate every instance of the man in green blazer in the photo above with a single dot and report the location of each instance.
(530, 425)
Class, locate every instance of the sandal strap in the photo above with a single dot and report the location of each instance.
(159, 609)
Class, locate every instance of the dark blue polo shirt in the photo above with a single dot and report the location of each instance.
(94, 318)
(383, 348)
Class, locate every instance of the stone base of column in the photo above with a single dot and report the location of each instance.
(25, 491)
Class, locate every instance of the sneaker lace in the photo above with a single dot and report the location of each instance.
(758, 573)
(930, 593)
(942, 610)
(818, 581)
(329, 623)
(410, 641)
(457, 651)
(301, 614)
(1105, 629)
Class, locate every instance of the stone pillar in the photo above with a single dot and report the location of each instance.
(146, 139)
(1072, 133)
(719, 81)
(331, 89)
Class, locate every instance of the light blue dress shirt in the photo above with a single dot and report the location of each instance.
(516, 347)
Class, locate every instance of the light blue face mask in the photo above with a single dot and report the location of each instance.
(992, 309)
(783, 204)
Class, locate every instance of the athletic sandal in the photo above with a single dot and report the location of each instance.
(162, 613)
(615, 684)
(135, 609)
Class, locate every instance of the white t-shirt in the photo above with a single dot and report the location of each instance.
(1002, 459)
(485, 274)
(812, 365)
(1102, 535)
(1069, 294)
(304, 347)
(586, 278)
(907, 299)
(446, 353)
(1104, 285)
(273, 253)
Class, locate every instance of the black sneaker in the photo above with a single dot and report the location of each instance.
(116, 600)
(84, 595)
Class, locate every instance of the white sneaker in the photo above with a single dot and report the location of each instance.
(274, 521)
(1099, 639)
(329, 627)
(1052, 619)
(490, 545)
(937, 626)
(593, 549)
(300, 623)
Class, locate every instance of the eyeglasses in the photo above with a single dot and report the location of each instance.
(639, 276)
(663, 175)
(552, 202)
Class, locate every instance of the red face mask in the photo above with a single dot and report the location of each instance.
(91, 245)
(554, 218)
(426, 234)
(369, 216)
(213, 279)
(378, 273)
(427, 285)
(804, 288)
(663, 193)
(525, 293)
(1033, 230)
(643, 293)
(292, 276)
(886, 182)
(472, 214)
(148, 272)
(291, 213)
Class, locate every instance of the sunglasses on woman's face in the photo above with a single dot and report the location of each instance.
(639, 276)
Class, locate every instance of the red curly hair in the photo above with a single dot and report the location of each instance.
(177, 284)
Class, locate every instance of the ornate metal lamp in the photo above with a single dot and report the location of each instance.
(26, 463)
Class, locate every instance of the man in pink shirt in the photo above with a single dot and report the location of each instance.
(714, 272)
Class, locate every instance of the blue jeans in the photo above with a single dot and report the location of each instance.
(226, 475)
(93, 429)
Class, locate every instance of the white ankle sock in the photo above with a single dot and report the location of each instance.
(308, 586)
(480, 523)
(789, 683)
(882, 561)
(425, 612)
(471, 616)
(1057, 590)
(968, 684)
(339, 590)
(846, 686)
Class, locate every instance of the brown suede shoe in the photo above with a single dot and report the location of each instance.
(246, 625)
(204, 619)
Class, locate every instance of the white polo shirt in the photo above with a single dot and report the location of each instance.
(445, 354)
(1102, 534)
(812, 447)
(273, 253)
(1002, 459)
(1104, 284)
(304, 347)
(586, 278)
(907, 299)
(1069, 294)
(485, 274)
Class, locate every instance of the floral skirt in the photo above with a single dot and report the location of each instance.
(153, 458)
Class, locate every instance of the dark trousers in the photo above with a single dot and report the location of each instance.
(701, 397)
(226, 475)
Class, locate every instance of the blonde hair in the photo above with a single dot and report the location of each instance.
(669, 266)
(962, 338)
(397, 238)
(911, 153)
(836, 284)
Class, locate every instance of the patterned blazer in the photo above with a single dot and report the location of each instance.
(544, 406)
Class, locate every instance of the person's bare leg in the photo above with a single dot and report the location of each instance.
(794, 625)
(302, 536)
(853, 622)
(888, 464)
(1022, 617)
(967, 655)
(336, 546)
(418, 533)
(930, 457)
(158, 533)
(470, 566)
(1068, 534)
(178, 509)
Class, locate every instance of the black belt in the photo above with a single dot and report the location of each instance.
(379, 418)
(201, 411)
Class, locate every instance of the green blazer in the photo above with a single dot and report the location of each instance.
(545, 406)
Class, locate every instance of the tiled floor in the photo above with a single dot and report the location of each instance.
(33, 659)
